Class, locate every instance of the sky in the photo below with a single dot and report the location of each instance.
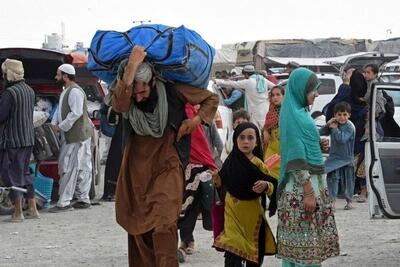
(26, 22)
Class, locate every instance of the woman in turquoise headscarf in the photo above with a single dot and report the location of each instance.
(307, 232)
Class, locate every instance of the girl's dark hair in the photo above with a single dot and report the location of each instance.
(281, 88)
(241, 113)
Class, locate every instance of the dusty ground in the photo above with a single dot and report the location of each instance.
(92, 238)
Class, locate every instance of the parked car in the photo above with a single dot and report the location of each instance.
(40, 68)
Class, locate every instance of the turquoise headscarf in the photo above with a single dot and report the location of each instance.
(299, 137)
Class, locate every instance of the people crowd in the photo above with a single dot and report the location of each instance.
(164, 167)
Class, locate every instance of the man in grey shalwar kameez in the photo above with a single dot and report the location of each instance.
(75, 160)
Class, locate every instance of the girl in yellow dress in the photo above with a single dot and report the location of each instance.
(246, 235)
(271, 131)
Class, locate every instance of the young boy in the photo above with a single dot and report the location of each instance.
(238, 117)
(339, 164)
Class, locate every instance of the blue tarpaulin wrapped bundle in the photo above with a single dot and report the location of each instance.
(177, 54)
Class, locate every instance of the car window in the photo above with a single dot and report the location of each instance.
(395, 96)
(327, 87)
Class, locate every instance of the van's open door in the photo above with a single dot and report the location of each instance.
(382, 160)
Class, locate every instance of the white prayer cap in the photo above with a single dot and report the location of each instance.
(67, 68)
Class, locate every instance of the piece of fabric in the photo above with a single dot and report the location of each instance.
(75, 170)
(256, 103)
(153, 124)
(217, 211)
(113, 163)
(343, 177)
(306, 238)
(17, 129)
(272, 117)
(72, 117)
(380, 99)
(341, 145)
(144, 73)
(150, 184)
(286, 263)
(14, 169)
(235, 96)
(238, 173)
(67, 68)
(214, 143)
(193, 204)
(273, 150)
(194, 189)
(155, 248)
(14, 69)
(299, 137)
(199, 148)
(358, 86)
(243, 222)
(343, 94)
(261, 83)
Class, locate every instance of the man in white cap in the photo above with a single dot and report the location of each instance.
(255, 88)
(17, 136)
(75, 159)
(150, 184)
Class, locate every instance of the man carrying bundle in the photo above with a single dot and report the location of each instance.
(151, 181)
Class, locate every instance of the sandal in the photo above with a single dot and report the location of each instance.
(29, 214)
(190, 248)
(360, 199)
(348, 206)
(14, 219)
(181, 255)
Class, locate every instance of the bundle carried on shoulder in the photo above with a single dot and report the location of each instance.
(177, 54)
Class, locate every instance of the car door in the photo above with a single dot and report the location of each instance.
(382, 160)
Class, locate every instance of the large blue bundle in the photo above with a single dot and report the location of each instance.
(178, 54)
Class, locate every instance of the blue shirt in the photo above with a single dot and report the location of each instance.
(341, 152)
(235, 96)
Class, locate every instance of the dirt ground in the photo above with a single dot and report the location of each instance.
(92, 238)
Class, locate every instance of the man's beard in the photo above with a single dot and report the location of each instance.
(60, 83)
(149, 104)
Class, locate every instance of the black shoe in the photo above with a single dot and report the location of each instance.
(108, 198)
(57, 209)
(81, 205)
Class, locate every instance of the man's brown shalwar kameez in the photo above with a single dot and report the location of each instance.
(150, 184)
